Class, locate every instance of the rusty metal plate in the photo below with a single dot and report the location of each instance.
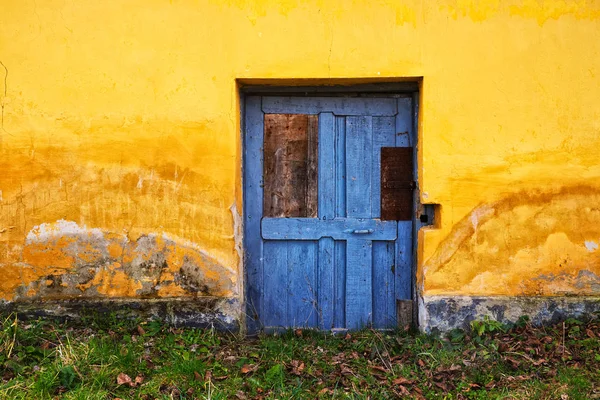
(397, 183)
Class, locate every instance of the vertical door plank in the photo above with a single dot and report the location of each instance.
(359, 290)
(404, 243)
(253, 206)
(404, 125)
(339, 308)
(327, 187)
(302, 301)
(326, 166)
(276, 280)
(404, 257)
(383, 136)
(358, 166)
(312, 166)
(384, 298)
(340, 166)
(326, 270)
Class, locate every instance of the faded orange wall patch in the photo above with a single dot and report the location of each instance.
(528, 243)
(65, 260)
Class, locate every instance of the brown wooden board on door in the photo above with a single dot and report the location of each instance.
(290, 165)
(397, 183)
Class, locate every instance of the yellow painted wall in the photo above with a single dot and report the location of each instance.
(120, 143)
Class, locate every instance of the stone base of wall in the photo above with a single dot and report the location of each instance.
(204, 312)
(444, 313)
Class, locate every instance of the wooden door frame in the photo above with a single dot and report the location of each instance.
(335, 88)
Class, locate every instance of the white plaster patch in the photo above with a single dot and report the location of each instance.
(591, 246)
(191, 245)
(478, 213)
(46, 231)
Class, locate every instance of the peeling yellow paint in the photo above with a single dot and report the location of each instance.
(123, 119)
(524, 244)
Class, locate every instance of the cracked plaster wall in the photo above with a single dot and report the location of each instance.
(120, 129)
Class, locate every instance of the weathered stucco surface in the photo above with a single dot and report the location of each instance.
(64, 260)
(528, 243)
(120, 137)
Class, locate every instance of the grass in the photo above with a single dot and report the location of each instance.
(102, 357)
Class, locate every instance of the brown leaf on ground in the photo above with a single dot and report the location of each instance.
(247, 368)
(403, 391)
(241, 395)
(345, 369)
(141, 330)
(124, 379)
(297, 367)
(402, 381)
(378, 368)
(590, 333)
(197, 376)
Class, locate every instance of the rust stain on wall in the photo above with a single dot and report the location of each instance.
(528, 243)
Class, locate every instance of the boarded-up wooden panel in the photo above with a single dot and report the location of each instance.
(290, 165)
(396, 183)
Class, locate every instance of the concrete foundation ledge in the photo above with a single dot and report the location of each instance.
(443, 313)
(203, 312)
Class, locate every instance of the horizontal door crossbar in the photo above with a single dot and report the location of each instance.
(375, 107)
(338, 229)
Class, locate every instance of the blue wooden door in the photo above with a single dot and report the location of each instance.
(340, 267)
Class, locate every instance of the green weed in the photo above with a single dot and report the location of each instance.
(108, 357)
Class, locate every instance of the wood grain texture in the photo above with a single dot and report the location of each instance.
(397, 184)
(335, 105)
(329, 260)
(339, 229)
(383, 136)
(358, 166)
(290, 165)
(253, 203)
(359, 285)
(384, 296)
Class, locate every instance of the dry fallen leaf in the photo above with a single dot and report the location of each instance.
(247, 368)
(402, 381)
(123, 379)
(141, 330)
(240, 395)
(297, 367)
(403, 391)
